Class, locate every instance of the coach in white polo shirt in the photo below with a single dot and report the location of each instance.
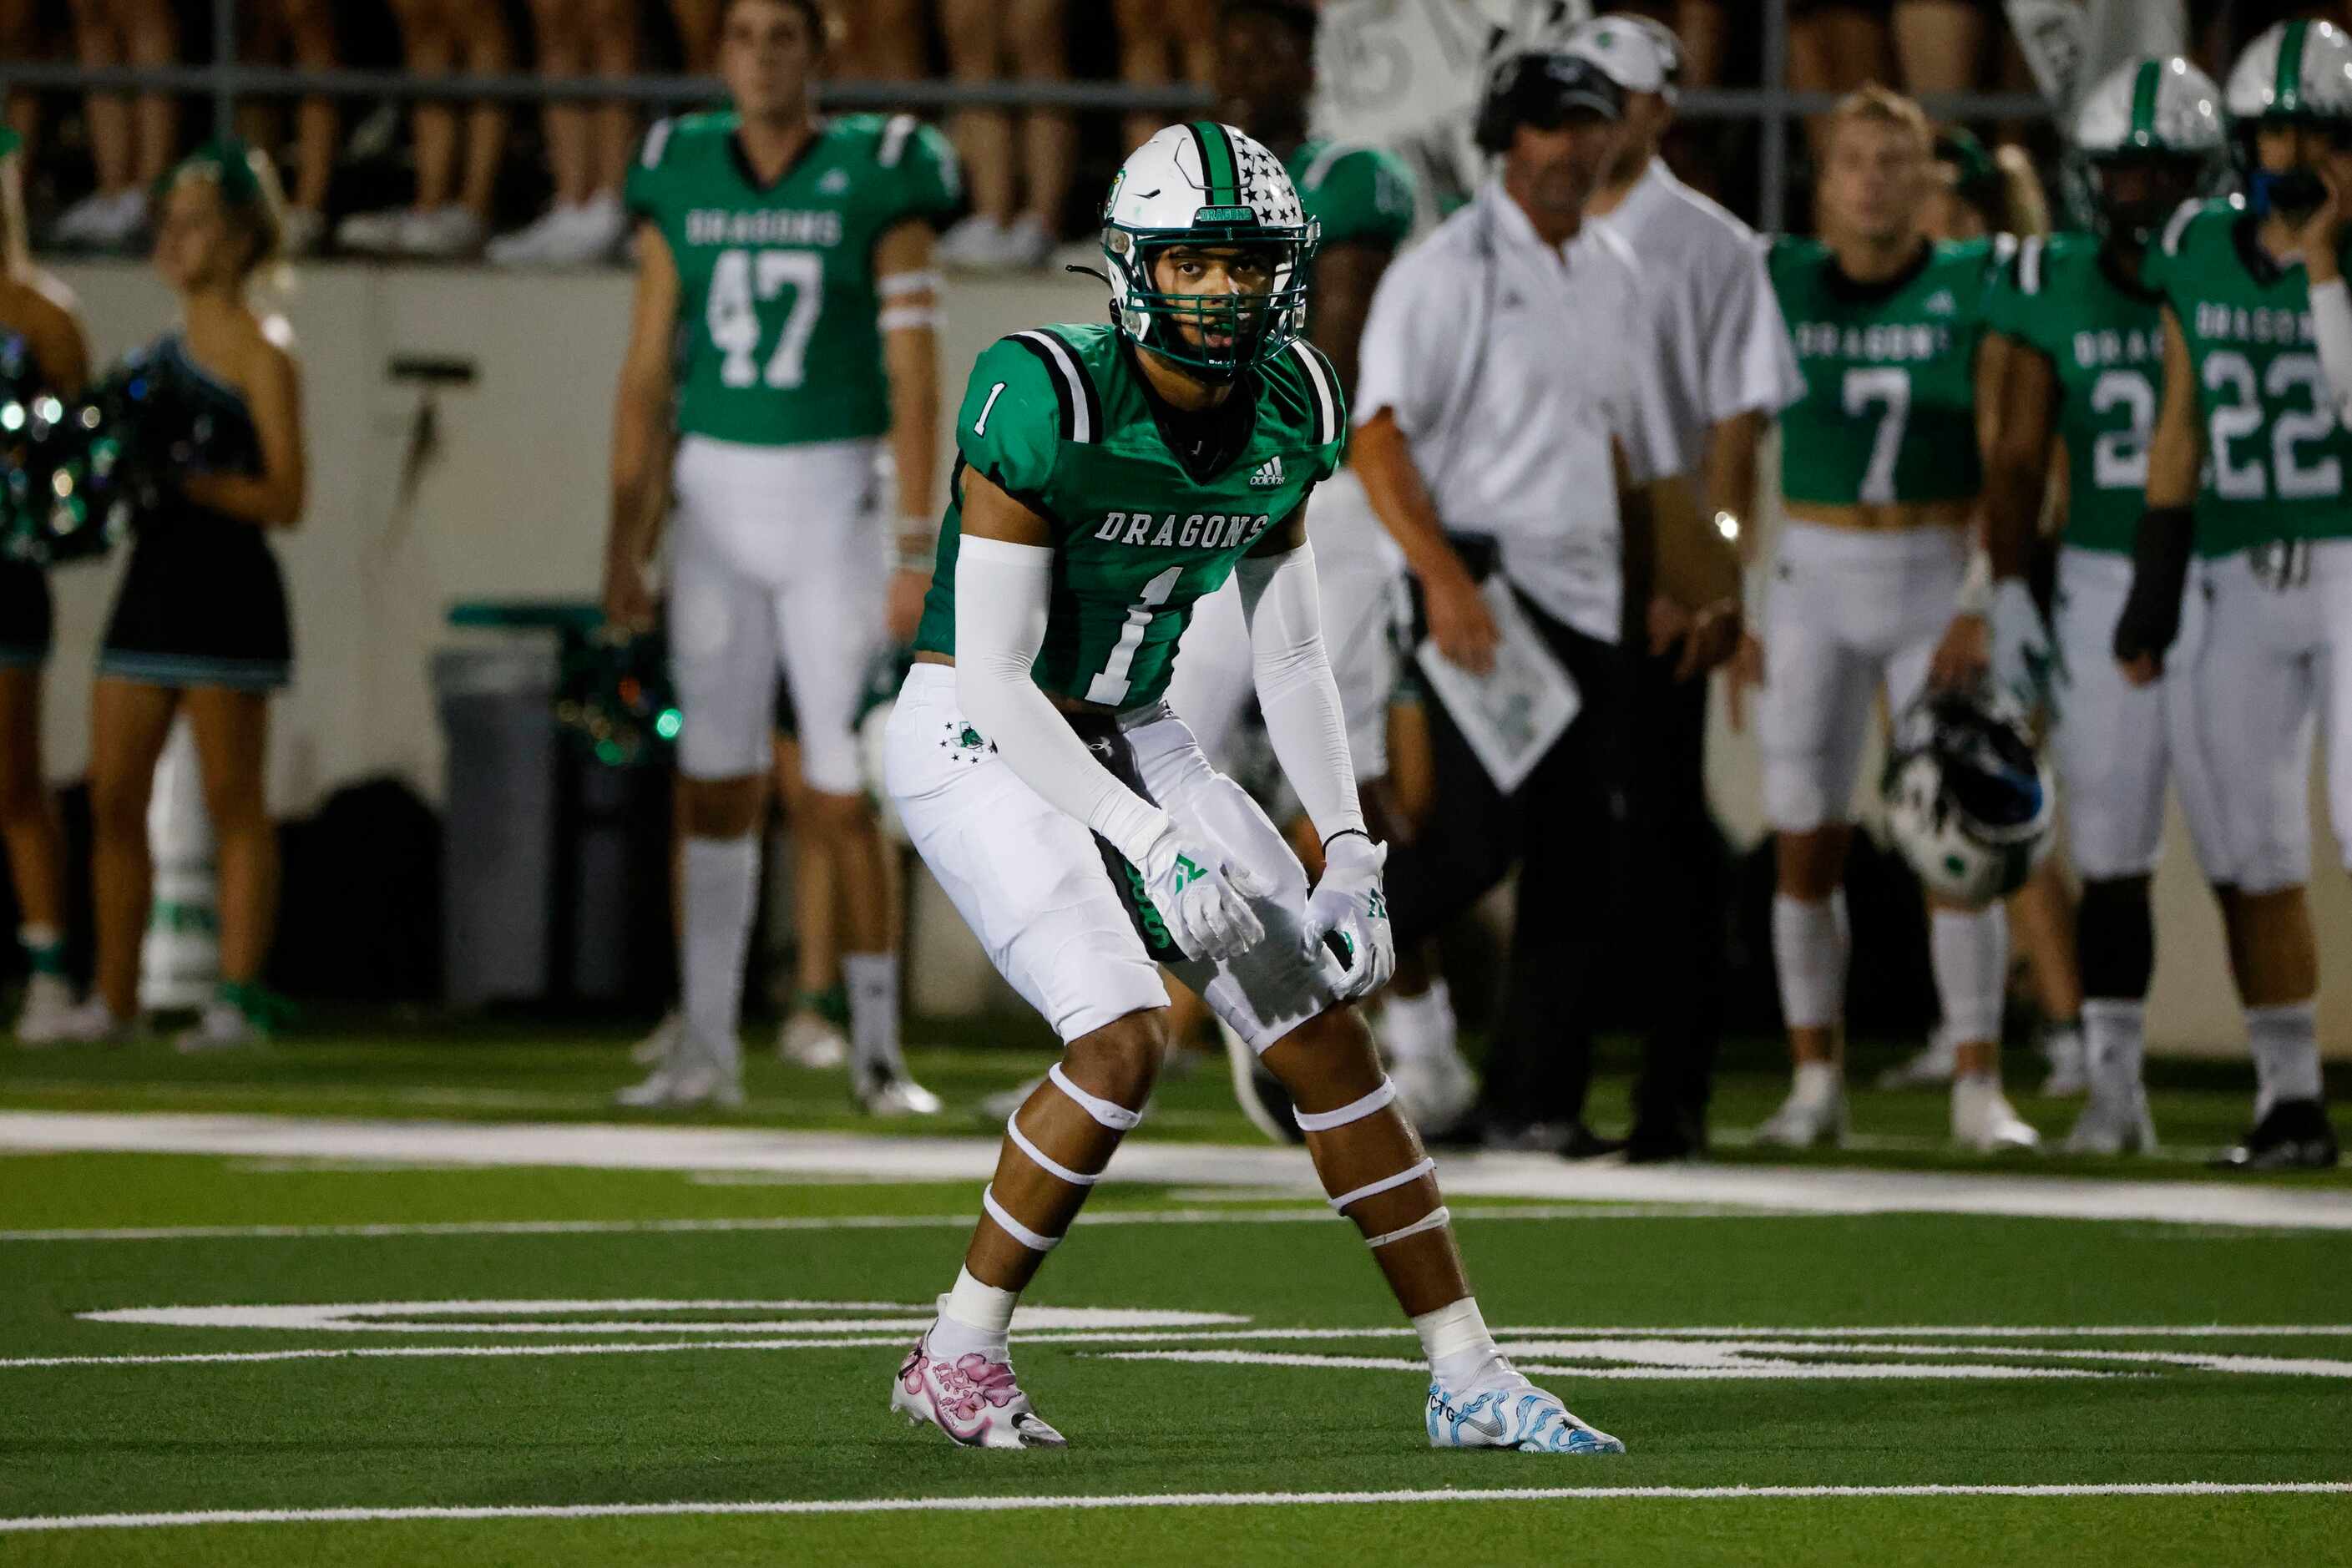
(1495, 386)
(1713, 366)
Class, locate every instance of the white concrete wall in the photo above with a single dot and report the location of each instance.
(511, 504)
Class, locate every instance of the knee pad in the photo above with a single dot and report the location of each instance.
(2115, 939)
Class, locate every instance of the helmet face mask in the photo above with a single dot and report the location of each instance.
(2147, 137)
(2296, 74)
(1209, 191)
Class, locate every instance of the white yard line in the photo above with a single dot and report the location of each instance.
(836, 1154)
(1157, 1499)
(827, 1222)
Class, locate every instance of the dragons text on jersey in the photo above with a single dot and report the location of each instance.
(2276, 454)
(2104, 337)
(778, 279)
(1889, 407)
(1060, 419)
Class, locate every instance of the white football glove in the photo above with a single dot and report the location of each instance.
(1203, 901)
(2025, 660)
(1348, 910)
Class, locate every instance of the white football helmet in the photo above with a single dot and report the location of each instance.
(1969, 802)
(1205, 184)
(2158, 119)
(2297, 72)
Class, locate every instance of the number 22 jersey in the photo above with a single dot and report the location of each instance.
(777, 338)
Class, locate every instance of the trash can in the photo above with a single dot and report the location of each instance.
(555, 866)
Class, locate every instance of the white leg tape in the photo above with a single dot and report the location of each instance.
(1117, 1118)
(1433, 1220)
(1411, 1173)
(1354, 1111)
(1014, 1227)
(1043, 1160)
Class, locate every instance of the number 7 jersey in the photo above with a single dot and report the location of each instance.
(779, 342)
(1059, 418)
(1888, 412)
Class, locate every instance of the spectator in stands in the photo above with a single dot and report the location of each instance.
(130, 147)
(879, 40)
(1155, 35)
(303, 32)
(588, 144)
(697, 34)
(1940, 45)
(1016, 211)
(449, 214)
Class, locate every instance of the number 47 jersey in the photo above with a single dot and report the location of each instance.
(1059, 419)
(778, 341)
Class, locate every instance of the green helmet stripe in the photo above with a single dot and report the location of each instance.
(2145, 84)
(1217, 164)
(2286, 87)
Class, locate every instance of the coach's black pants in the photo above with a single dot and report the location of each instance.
(1617, 855)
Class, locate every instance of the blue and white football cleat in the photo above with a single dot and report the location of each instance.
(1511, 1413)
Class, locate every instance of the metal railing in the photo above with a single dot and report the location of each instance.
(1775, 110)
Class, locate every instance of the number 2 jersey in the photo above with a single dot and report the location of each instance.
(1888, 412)
(2276, 453)
(1060, 419)
(778, 341)
(2104, 337)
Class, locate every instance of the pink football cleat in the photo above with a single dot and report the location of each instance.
(975, 1400)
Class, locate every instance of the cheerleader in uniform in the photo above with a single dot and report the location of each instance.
(200, 622)
(42, 355)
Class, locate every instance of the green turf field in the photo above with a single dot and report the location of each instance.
(476, 1362)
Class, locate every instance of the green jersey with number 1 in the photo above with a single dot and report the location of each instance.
(1060, 419)
(2275, 454)
(2104, 337)
(777, 338)
(1888, 412)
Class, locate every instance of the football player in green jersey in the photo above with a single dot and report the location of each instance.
(2085, 354)
(1108, 477)
(2246, 473)
(785, 333)
(1363, 199)
(42, 352)
(1880, 473)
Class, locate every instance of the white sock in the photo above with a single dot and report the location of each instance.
(1456, 1342)
(872, 979)
(1810, 943)
(2115, 1038)
(973, 1317)
(1816, 1083)
(1419, 1028)
(723, 879)
(1970, 953)
(2285, 1041)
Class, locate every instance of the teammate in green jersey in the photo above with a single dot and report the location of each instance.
(784, 326)
(2247, 470)
(1880, 472)
(1109, 476)
(42, 352)
(2085, 349)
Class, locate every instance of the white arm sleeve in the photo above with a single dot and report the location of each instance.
(2331, 323)
(1000, 624)
(1295, 691)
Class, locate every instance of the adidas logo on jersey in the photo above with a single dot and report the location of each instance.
(1269, 473)
(1941, 303)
